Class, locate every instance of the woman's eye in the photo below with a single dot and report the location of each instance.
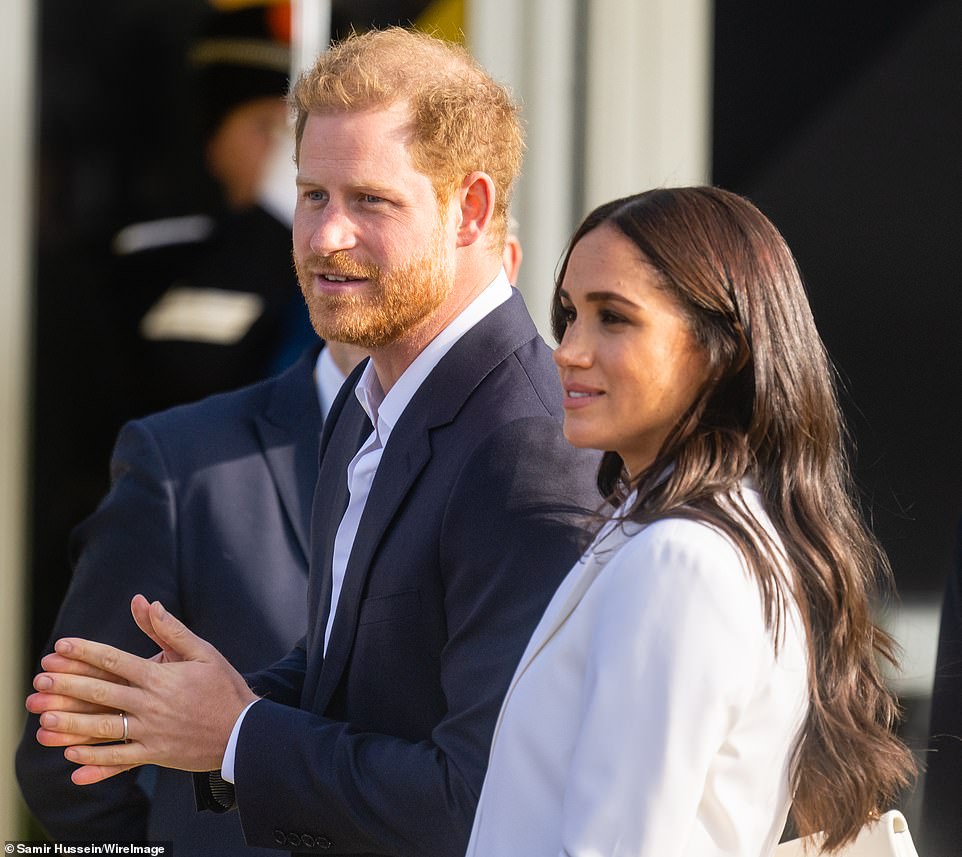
(609, 317)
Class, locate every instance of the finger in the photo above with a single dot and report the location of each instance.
(124, 756)
(176, 636)
(107, 658)
(62, 739)
(37, 703)
(57, 663)
(89, 774)
(118, 697)
(97, 727)
(140, 610)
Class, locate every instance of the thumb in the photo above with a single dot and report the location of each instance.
(140, 610)
(173, 635)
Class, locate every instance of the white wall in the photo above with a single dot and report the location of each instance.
(16, 87)
(649, 96)
(616, 97)
(530, 46)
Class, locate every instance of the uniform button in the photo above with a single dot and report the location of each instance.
(323, 842)
(307, 840)
(279, 837)
(293, 840)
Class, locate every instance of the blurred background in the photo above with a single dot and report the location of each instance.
(841, 121)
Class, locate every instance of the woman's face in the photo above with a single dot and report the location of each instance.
(628, 362)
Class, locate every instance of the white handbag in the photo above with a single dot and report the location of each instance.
(887, 837)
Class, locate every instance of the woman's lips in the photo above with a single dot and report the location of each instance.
(580, 397)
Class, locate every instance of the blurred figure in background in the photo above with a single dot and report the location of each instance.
(512, 254)
(203, 299)
(196, 296)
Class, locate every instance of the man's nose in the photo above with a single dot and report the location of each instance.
(333, 231)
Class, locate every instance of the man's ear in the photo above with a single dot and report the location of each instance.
(476, 201)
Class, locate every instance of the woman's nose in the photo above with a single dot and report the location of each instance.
(573, 349)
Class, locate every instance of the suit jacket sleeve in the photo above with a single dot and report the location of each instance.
(508, 538)
(282, 681)
(127, 546)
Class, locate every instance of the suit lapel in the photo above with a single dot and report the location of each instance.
(396, 473)
(408, 451)
(289, 431)
(344, 432)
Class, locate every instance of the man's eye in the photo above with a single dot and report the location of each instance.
(370, 197)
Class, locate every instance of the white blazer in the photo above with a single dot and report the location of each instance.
(649, 715)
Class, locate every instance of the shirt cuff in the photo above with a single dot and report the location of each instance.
(227, 766)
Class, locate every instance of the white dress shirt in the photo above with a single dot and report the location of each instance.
(384, 411)
(649, 715)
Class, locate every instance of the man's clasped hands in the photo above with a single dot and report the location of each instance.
(113, 710)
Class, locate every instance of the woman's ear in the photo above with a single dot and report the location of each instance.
(476, 201)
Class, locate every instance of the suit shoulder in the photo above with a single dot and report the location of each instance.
(524, 384)
(212, 412)
(222, 408)
(688, 559)
(226, 419)
(525, 460)
(534, 360)
(682, 543)
(696, 542)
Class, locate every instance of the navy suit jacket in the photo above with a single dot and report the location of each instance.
(941, 827)
(474, 517)
(209, 511)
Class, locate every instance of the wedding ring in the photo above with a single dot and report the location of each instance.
(123, 716)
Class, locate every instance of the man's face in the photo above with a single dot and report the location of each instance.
(372, 249)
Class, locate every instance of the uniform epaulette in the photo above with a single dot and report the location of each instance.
(166, 232)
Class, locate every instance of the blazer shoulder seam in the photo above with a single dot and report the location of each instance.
(532, 384)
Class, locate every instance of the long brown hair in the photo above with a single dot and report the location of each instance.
(769, 411)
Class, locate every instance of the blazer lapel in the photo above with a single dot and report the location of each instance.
(290, 430)
(408, 451)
